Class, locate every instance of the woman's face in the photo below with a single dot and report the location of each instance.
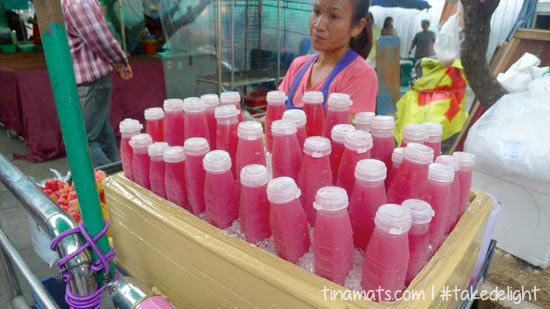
(330, 25)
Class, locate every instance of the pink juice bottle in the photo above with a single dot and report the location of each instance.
(195, 149)
(254, 206)
(367, 196)
(196, 124)
(250, 148)
(419, 236)
(232, 98)
(358, 144)
(220, 192)
(315, 115)
(455, 190)
(287, 219)
(299, 118)
(410, 179)
(435, 131)
(286, 152)
(383, 141)
(467, 163)
(157, 168)
(414, 133)
(440, 179)
(174, 179)
(174, 122)
(387, 253)
(315, 172)
(128, 128)
(396, 159)
(154, 123)
(140, 158)
(337, 112)
(275, 109)
(333, 236)
(338, 137)
(226, 130)
(211, 101)
(363, 121)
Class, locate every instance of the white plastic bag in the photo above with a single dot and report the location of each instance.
(447, 44)
(41, 243)
(513, 136)
(518, 77)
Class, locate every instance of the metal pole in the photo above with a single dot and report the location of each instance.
(60, 69)
(278, 43)
(219, 47)
(246, 64)
(10, 272)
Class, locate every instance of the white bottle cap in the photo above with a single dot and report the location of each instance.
(154, 113)
(419, 153)
(230, 97)
(434, 129)
(358, 140)
(250, 130)
(173, 105)
(331, 199)
(226, 111)
(449, 161)
(196, 146)
(339, 101)
(383, 123)
(466, 159)
(441, 173)
(130, 125)
(141, 140)
(313, 97)
(254, 175)
(317, 146)
(211, 100)
(193, 105)
(370, 170)
(339, 131)
(421, 212)
(174, 154)
(393, 219)
(282, 190)
(276, 98)
(414, 133)
(283, 126)
(397, 155)
(364, 118)
(217, 161)
(296, 115)
(157, 149)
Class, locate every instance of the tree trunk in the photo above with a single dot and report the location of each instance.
(477, 19)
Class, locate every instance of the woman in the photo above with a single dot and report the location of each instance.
(388, 29)
(341, 34)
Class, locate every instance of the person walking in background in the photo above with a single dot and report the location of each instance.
(376, 32)
(424, 41)
(388, 29)
(95, 54)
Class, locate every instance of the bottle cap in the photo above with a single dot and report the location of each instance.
(370, 170)
(339, 131)
(466, 159)
(358, 140)
(393, 219)
(414, 133)
(154, 113)
(383, 123)
(283, 126)
(226, 111)
(419, 153)
(193, 105)
(421, 212)
(211, 100)
(196, 146)
(434, 129)
(441, 173)
(230, 97)
(339, 101)
(250, 130)
(217, 161)
(173, 105)
(129, 125)
(317, 146)
(296, 115)
(448, 161)
(364, 118)
(254, 175)
(331, 199)
(282, 190)
(313, 97)
(397, 155)
(276, 98)
(174, 154)
(157, 149)
(141, 140)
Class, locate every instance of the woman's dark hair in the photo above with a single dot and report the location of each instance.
(362, 43)
(387, 22)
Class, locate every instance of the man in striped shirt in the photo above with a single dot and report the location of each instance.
(95, 54)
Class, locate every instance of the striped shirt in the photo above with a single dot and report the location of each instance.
(93, 48)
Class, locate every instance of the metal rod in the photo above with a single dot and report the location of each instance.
(278, 43)
(35, 284)
(219, 47)
(10, 272)
(232, 43)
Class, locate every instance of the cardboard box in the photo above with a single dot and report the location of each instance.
(198, 266)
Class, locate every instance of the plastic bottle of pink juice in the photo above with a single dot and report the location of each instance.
(338, 137)
(157, 168)
(337, 112)
(358, 144)
(383, 142)
(174, 179)
(440, 179)
(226, 130)
(410, 179)
(333, 236)
(419, 236)
(250, 148)
(387, 254)
(140, 158)
(128, 128)
(232, 98)
(287, 219)
(154, 123)
(211, 101)
(363, 121)
(299, 118)
(286, 152)
(195, 150)
(313, 107)
(396, 159)
(174, 122)
(315, 172)
(196, 124)
(254, 206)
(435, 131)
(220, 192)
(455, 190)
(275, 110)
(467, 163)
(368, 195)
(414, 133)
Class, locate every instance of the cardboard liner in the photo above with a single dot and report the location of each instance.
(198, 266)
